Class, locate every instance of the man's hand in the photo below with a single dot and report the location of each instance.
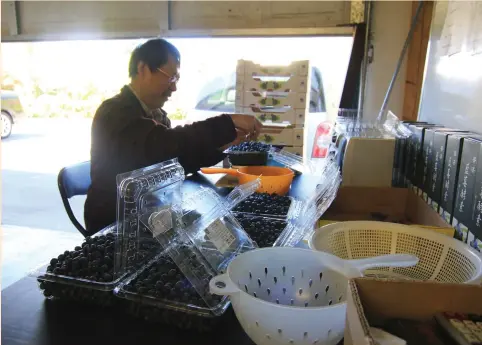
(247, 124)
(240, 137)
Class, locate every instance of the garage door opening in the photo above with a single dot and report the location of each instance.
(59, 85)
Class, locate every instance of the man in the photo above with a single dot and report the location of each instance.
(131, 131)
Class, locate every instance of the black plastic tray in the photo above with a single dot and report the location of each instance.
(247, 158)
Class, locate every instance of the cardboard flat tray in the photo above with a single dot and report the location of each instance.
(371, 301)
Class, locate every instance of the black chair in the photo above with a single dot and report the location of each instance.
(74, 180)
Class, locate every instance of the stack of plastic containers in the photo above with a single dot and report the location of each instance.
(196, 236)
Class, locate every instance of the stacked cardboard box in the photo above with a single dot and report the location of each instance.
(444, 167)
(278, 96)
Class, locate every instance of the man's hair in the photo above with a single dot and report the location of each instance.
(154, 54)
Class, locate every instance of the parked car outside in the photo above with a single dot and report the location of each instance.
(12, 112)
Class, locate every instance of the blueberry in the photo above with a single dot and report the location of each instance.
(54, 261)
(61, 257)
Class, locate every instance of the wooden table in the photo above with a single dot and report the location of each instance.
(29, 319)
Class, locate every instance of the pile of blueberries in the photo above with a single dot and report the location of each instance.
(264, 231)
(265, 204)
(250, 146)
(164, 280)
(93, 260)
(82, 294)
(178, 319)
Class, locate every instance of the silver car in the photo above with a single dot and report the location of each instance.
(12, 112)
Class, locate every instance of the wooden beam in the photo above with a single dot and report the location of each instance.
(416, 56)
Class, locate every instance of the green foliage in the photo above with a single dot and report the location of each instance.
(179, 114)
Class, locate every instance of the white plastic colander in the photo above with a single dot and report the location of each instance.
(442, 258)
(284, 295)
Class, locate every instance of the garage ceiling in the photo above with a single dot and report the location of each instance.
(55, 20)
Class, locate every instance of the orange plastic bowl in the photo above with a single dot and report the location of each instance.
(273, 179)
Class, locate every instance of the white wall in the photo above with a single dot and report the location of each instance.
(391, 22)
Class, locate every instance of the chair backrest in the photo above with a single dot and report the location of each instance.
(74, 180)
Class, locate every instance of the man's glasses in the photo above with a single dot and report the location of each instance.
(173, 79)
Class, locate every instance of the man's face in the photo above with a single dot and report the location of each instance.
(157, 86)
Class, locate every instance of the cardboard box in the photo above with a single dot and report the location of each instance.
(462, 216)
(284, 115)
(299, 84)
(415, 160)
(293, 100)
(475, 231)
(398, 175)
(404, 151)
(399, 205)
(282, 135)
(371, 302)
(435, 144)
(367, 162)
(450, 176)
(250, 68)
(426, 161)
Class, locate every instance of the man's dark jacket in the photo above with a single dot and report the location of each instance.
(125, 138)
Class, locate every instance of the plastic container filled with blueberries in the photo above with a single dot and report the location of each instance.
(269, 205)
(273, 220)
(93, 269)
(85, 273)
(198, 236)
(248, 153)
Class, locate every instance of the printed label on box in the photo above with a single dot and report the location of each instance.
(427, 158)
(447, 216)
(450, 173)
(464, 201)
(461, 231)
(160, 222)
(220, 236)
(474, 242)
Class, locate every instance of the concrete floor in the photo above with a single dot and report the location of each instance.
(25, 249)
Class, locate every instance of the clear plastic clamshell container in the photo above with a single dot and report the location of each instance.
(200, 236)
(269, 206)
(86, 273)
(83, 265)
(313, 207)
(264, 231)
(141, 193)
